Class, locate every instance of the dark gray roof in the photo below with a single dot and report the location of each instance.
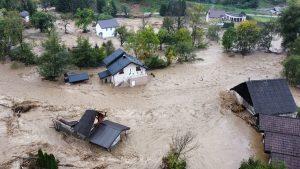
(291, 162)
(271, 96)
(104, 74)
(282, 144)
(109, 23)
(86, 123)
(73, 78)
(113, 57)
(106, 133)
(24, 14)
(279, 124)
(122, 62)
(213, 13)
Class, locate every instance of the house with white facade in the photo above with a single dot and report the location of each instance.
(25, 16)
(106, 28)
(214, 14)
(123, 70)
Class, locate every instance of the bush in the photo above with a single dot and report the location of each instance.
(295, 47)
(104, 16)
(171, 161)
(291, 69)
(256, 164)
(46, 161)
(155, 63)
(24, 54)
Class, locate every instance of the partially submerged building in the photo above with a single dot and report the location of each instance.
(107, 28)
(281, 139)
(123, 70)
(214, 14)
(104, 133)
(272, 97)
(73, 78)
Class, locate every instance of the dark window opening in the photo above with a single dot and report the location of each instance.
(121, 71)
(138, 68)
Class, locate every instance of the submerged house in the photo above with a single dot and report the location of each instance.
(123, 70)
(214, 14)
(272, 97)
(281, 139)
(107, 28)
(104, 133)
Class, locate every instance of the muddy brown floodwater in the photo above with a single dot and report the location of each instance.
(181, 98)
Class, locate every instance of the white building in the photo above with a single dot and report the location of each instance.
(123, 70)
(25, 16)
(213, 14)
(106, 28)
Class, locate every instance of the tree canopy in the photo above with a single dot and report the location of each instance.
(42, 21)
(84, 17)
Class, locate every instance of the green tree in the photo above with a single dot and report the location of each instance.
(24, 54)
(267, 33)
(84, 55)
(196, 14)
(198, 37)
(163, 9)
(144, 43)
(46, 161)
(289, 24)
(114, 8)
(228, 39)
(247, 36)
(256, 164)
(54, 60)
(170, 54)
(163, 36)
(184, 45)
(100, 5)
(84, 17)
(295, 47)
(108, 47)
(29, 5)
(122, 33)
(11, 32)
(104, 16)
(291, 69)
(213, 32)
(125, 9)
(42, 21)
(154, 62)
(168, 23)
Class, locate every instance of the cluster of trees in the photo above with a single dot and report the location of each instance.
(289, 29)
(248, 36)
(17, 5)
(57, 58)
(45, 160)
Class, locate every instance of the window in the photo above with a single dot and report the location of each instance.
(138, 68)
(121, 71)
(106, 29)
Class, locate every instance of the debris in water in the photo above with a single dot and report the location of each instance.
(25, 106)
(229, 102)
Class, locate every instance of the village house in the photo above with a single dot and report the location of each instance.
(123, 70)
(106, 28)
(25, 16)
(281, 139)
(103, 133)
(214, 14)
(271, 96)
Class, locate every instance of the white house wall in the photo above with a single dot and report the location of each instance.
(129, 72)
(106, 33)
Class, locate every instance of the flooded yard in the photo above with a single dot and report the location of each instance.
(181, 98)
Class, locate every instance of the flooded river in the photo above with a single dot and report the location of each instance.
(181, 98)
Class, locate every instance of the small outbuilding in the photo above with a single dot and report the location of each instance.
(25, 16)
(123, 70)
(271, 96)
(107, 28)
(76, 77)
